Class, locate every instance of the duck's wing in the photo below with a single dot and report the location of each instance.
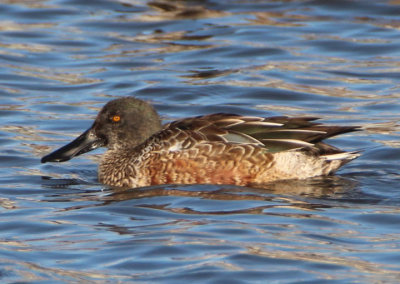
(275, 134)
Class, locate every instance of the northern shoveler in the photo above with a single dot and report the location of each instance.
(212, 149)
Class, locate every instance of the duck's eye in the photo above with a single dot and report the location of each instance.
(116, 118)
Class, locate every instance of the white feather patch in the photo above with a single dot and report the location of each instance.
(342, 156)
(175, 147)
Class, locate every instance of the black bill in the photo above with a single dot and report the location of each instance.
(86, 142)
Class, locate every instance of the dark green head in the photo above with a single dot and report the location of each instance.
(124, 122)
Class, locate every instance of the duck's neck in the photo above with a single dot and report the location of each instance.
(118, 169)
(126, 166)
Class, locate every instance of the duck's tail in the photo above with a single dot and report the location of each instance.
(300, 165)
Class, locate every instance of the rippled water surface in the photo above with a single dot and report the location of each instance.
(60, 61)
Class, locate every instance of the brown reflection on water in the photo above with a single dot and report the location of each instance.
(14, 26)
(388, 127)
(37, 4)
(379, 22)
(312, 254)
(174, 10)
(24, 133)
(159, 37)
(288, 194)
(278, 19)
(7, 203)
(31, 271)
(344, 39)
(383, 129)
(32, 47)
(314, 187)
(158, 42)
(207, 74)
(70, 77)
(169, 48)
(256, 78)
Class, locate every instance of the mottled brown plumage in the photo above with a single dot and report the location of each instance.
(211, 149)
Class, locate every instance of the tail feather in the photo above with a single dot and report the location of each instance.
(344, 156)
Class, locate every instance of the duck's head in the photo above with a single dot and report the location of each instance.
(124, 122)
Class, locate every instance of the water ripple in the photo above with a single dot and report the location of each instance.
(62, 60)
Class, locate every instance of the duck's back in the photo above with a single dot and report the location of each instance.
(231, 149)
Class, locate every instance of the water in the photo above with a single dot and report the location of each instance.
(62, 60)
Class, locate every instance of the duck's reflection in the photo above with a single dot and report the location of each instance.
(308, 194)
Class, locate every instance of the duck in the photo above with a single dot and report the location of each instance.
(218, 148)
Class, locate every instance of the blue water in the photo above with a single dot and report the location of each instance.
(60, 61)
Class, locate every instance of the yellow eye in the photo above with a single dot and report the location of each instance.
(116, 118)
